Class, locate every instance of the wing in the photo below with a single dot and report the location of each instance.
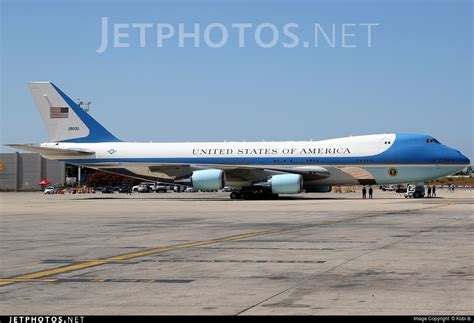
(234, 173)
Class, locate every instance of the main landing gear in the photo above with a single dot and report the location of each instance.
(252, 195)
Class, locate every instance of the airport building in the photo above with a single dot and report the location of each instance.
(24, 171)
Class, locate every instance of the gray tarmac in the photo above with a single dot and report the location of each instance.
(202, 253)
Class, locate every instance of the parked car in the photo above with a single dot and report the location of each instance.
(190, 190)
(50, 190)
(178, 188)
(144, 188)
(152, 186)
(161, 188)
(135, 188)
(124, 188)
(107, 190)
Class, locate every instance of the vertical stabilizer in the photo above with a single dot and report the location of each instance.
(64, 119)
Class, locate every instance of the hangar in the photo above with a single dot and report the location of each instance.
(23, 171)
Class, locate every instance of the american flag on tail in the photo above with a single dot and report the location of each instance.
(58, 112)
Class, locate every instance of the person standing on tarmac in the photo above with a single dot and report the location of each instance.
(364, 193)
(371, 192)
(429, 191)
(433, 192)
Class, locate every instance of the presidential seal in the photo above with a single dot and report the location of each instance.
(393, 172)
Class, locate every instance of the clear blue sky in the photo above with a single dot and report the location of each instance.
(416, 77)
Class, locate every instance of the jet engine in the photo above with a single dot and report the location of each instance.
(286, 184)
(208, 179)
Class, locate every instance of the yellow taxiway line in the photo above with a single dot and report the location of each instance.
(39, 275)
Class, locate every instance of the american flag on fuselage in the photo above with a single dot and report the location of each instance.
(58, 112)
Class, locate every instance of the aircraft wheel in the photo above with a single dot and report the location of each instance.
(234, 196)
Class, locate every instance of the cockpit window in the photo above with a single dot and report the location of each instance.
(432, 140)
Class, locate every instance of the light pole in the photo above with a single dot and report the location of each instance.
(79, 169)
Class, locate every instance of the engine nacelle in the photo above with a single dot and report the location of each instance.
(287, 184)
(208, 179)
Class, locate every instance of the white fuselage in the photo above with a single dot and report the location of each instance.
(352, 160)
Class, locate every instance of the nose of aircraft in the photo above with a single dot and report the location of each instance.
(465, 160)
(446, 154)
(460, 158)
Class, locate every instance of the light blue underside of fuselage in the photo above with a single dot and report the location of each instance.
(409, 174)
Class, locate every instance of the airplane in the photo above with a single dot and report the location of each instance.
(252, 169)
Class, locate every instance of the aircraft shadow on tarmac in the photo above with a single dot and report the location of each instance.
(224, 198)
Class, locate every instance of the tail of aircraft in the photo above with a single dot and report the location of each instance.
(65, 121)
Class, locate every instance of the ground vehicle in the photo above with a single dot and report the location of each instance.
(152, 186)
(190, 190)
(124, 188)
(161, 188)
(135, 188)
(401, 189)
(415, 191)
(157, 187)
(107, 190)
(50, 190)
(144, 188)
(389, 188)
(178, 188)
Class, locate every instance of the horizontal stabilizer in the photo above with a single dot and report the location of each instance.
(51, 151)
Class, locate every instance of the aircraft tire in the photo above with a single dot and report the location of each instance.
(234, 196)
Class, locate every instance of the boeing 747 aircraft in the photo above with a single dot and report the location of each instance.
(253, 168)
